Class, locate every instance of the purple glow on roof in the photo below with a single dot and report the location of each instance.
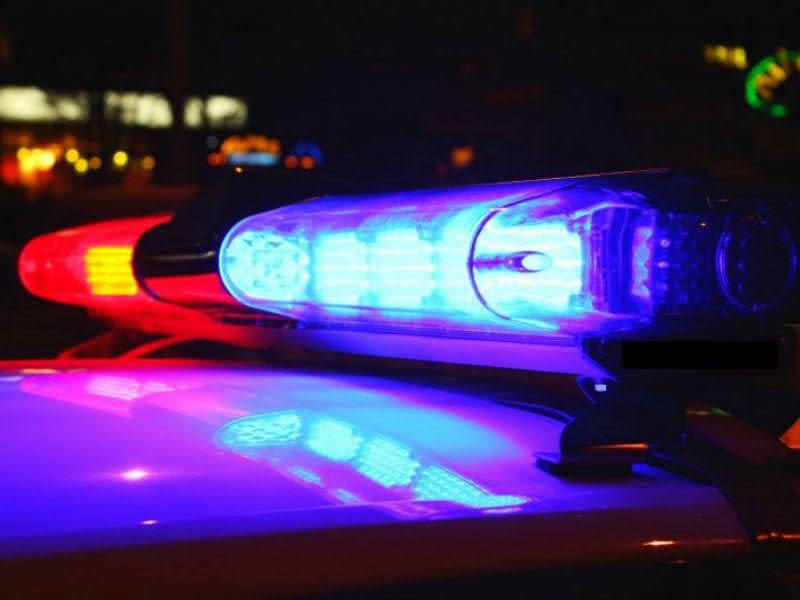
(136, 474)
(82, 476)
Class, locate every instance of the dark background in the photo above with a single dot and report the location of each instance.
(388, 90)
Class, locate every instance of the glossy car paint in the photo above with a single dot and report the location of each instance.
(110, 464)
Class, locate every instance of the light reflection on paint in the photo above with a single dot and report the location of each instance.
(123, 388)
(387, 463)
(201, 490)
(305, 474)
(658, 543)
(332, 439)
(119, 393)
(136, 474)
(438, 483)
(346, 496)
(273, 430)
(306, 446)
(333, 453)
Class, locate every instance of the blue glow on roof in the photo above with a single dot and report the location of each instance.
(440, 484)
(387, 463)
(276, 429)
(295, 441)
(306, 475)
(333, 439)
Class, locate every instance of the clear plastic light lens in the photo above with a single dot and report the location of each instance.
(503, 258)
(574, 257)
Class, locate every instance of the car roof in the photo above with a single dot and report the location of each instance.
(192, 457)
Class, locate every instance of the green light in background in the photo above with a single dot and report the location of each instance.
(765, 77)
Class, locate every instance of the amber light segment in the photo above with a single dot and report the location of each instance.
(89, 265)
(109, 271)
(791, 438)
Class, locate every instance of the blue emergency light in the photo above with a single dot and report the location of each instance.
(557, 258)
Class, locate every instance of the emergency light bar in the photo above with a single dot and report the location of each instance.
(573, 257)
(640, 283)
(562, 275)
(89, 266)
(92, 266)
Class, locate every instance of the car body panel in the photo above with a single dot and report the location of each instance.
(192, 463)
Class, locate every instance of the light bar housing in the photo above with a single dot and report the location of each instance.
(89, 266)
(92, 266)
(576, 257)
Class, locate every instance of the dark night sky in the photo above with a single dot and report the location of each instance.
(362, 76)
(296, 53)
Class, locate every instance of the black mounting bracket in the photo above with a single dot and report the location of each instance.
(617, 427)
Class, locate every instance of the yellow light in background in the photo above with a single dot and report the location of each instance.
(193, 110)
(35, 105)
(732, 57)
(137, 108)
(120, 159)
(95, 163)
(740, 58)
(45, 160)
(81, 166)
(27, 164)
(109, 271)
(148, 163)
(72, 155)
(226, 112)
(35, 159)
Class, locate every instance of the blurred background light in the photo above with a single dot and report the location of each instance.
(732, 57)
(137, 108)
(462, 157)
(33, 104)
(81, 166)
(120, 159)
